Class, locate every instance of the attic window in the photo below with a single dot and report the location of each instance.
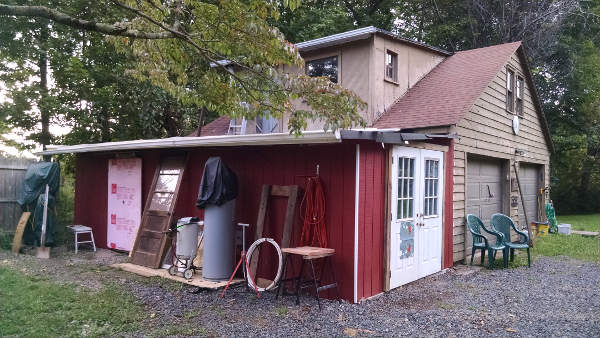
(519, 95)
(510, 90)
(391, 66)
(323, 67)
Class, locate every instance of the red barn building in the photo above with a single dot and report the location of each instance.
(443, 140)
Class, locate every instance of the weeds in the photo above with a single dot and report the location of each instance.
(35, 307)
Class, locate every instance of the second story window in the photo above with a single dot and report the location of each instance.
(519, 107)
(323, 67)
(391, 66)
(510, 90)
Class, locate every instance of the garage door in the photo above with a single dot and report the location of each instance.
(531, 178)
(484, 188)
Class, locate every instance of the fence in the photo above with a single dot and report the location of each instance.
(12, 174)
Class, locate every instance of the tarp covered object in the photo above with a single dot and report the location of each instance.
(219, 184)
(33, 198)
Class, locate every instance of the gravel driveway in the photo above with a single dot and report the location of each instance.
(555, 297)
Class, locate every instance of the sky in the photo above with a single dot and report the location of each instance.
(20, 135)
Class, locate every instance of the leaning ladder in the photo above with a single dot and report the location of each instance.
(237, 129)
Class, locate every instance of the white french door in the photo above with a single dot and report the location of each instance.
(416, 225)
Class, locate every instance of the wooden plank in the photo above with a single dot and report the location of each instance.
(260, 225)
(458, 239)
(17, 240)
(458, 256)
(458, 230)
(196, 280)
(458, 205)
(289, 215)
(387, 220)
(281, 190)
(291, 192)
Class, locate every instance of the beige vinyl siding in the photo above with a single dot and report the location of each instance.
(413, 64)
(460, 162)
(487, 130)
(361, 70)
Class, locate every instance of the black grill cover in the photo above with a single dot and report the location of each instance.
(219, 184)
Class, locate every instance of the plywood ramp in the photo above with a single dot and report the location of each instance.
(197, 280)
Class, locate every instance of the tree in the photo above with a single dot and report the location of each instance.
(318, 18)
(180, 46)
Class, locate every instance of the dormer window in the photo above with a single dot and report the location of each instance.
(391, 66)
(510, 90)
(323, 67)
(519, 95)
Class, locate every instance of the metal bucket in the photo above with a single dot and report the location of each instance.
(219, 237)
(187, 241)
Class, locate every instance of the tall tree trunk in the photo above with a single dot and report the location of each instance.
(105, 125)
(43, 73)
(201, 114)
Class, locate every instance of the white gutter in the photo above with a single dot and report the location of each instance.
(308, 137)
(356, 205)
(357, 34)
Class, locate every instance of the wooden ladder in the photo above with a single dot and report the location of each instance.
(150, 242)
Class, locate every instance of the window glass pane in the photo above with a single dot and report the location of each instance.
(166, 183)
(431, 187)
(410, 208)
(161, 201)
(323, 67)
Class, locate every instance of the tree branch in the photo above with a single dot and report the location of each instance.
(118, 29)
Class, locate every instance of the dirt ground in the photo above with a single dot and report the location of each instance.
(556, 296)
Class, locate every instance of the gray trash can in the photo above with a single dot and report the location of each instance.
(219, 237)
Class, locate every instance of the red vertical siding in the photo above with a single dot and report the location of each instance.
(91, 194)
(371, 220)
(448, 246)
(254, 166)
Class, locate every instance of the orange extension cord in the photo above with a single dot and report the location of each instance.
(314, 232)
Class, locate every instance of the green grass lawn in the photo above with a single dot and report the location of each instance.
(575, 246)
(589, 222)
(35, 307)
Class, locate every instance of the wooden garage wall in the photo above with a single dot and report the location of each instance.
(487, 130)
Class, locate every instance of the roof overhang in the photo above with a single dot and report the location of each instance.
(360, 34)
(391, 136)
(308, 137)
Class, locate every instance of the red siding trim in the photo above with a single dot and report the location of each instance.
(447, 256)
(371, 220)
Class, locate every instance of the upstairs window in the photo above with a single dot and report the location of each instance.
(519, 95)
(323, 67)
(510, 90)
(391, 66)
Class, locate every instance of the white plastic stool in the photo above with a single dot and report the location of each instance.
(82, 229)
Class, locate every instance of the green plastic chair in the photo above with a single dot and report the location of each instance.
(503, 224)
(480, 242)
